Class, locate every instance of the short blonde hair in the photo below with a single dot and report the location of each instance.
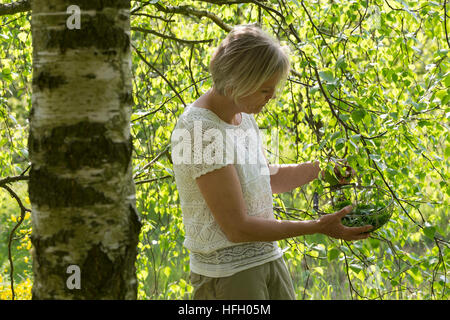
(245, 59)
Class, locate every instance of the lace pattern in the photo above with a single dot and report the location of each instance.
(211, 253)
(229, 260)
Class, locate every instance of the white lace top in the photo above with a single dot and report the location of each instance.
(202, 142)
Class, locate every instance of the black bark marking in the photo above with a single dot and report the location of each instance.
(103, 278)
(99, 277)
(90, 76)
(47, 265)
(45, 188)
(127, 98)
(97, 31)
(131, 250)
(44, 80)
(81, 145)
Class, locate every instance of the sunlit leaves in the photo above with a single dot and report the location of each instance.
(386, 75)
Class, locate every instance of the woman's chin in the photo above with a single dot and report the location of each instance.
(254, 109)
(260, 108)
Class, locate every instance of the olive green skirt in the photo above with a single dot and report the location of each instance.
(269, 281)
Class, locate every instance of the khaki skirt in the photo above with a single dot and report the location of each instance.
(269, 281)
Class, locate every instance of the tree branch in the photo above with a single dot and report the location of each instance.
(23, 210)
(152, 180)
(13, 179)
(15, 7)
(187, 10)
(445, 23)
(159, 73)
(143, 30)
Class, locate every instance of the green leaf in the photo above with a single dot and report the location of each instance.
(335, 135)
(429, 231)
(289, 19)
(358, 115)
(333, 254)
(167, 271)
(327, 76)
(22, 36)
(340, 63)
(447, 80)
(340, 143)
(314, 89)
(356, 267)
(319, 270)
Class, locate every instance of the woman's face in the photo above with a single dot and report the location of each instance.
(256, 101)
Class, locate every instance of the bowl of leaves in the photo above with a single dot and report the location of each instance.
(372, 205)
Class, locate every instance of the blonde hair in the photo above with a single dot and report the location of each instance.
(245, 59)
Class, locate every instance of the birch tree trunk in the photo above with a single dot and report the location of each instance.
(81, 187)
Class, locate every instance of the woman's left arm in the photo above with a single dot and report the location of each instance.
(287, 177)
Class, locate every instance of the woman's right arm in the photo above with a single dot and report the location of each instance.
(223, 194)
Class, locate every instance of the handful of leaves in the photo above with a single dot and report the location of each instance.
(371, 204)
(373, 214)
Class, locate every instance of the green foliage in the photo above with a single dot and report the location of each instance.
(371, 84)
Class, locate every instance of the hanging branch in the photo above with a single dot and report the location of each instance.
(152, 180)
(23, 210)
(191, 73)
(164, 152)
(188, 11)
(159, 73)
(168, 100)
(149, 31)
(445, 23)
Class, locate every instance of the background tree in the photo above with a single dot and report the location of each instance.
(370, 82)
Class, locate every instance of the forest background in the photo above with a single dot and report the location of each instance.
(370, 83)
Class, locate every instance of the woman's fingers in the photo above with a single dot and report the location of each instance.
(359, 230)
(344, 211)
(360, 236)
(332, 226)
(353, 233)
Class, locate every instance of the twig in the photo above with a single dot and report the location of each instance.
(23, 210)
(187, 10)
(13, 179)
(15, 7)
(168, 100)
(159, 73)
(445, 23)
(152, 17)
(152, 180)
(154, 160)
(143, 30)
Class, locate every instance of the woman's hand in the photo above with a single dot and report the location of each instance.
(331, 225)
(343, 173)
(346, 176)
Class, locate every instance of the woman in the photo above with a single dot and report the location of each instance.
(230, 229)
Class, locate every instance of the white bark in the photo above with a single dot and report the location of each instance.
(81, 187)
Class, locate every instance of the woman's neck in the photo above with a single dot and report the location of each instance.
(222, 106)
